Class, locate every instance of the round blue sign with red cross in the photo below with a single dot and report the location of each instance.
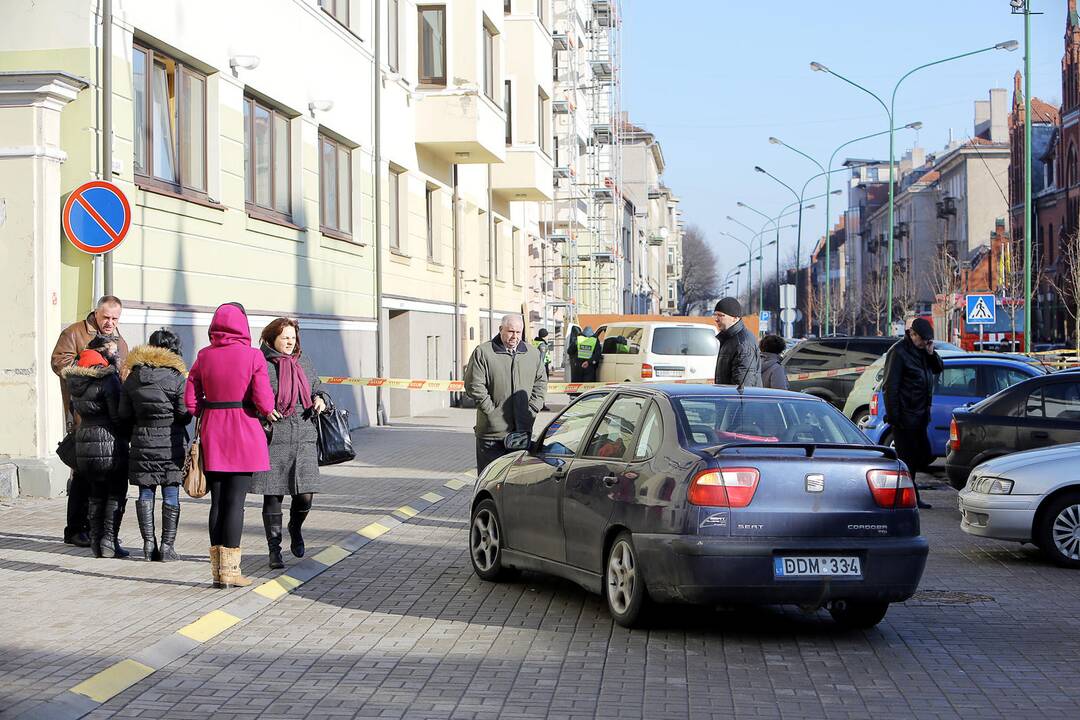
(96, 217)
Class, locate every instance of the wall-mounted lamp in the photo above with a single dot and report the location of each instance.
(320, 106)
(243, 62)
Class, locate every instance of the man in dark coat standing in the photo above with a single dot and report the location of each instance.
(911, 370)
(738, 362)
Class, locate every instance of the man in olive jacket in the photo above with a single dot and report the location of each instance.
(506, 379)
(911, 370)
(738, 361)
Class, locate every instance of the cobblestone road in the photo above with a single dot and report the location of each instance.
(402, 628)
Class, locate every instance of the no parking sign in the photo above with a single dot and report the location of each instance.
(96, 217)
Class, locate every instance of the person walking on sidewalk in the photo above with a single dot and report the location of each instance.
(737, 362)
(105, 319)
(153, 399)
(506, 379)
(227, 389)
(540, 342)
(294, 457)
(93, 385)
(771, 350)
(911, 369)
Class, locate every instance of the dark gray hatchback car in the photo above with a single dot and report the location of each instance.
(703, 494)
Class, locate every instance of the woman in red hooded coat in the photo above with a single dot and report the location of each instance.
(227, 389)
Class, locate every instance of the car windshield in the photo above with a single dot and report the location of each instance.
(684, 341)
(719, 420)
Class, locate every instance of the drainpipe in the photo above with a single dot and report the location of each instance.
(456, 234)
(380, 328)
(106, 123)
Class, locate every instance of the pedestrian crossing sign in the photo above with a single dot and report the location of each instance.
(981, 309)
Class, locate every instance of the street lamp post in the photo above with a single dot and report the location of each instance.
(827, 172)
(890, 110)
(749, 253)
(1024, 7)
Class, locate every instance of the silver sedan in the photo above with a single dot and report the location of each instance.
(1029, 497)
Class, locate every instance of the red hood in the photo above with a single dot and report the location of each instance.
(229, 327)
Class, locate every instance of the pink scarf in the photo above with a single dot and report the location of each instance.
(292, 384)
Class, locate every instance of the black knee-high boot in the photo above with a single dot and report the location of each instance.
(296, 522)
(170, 520)
(95, 514)
(114, 515)
(144, 510)
(272, 525)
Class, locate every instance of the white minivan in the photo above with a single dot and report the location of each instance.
(638, 351)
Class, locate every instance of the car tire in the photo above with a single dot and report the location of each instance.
(887, 440)
(486, 543)
(624, 587)
(1058, 532)
(858, 615)
(860, 416)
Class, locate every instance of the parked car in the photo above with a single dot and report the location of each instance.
(832, 353)
(1036, 413)
(967, 378)
(651, 350)
(704, 494)
(857, 405)
(1029, 497)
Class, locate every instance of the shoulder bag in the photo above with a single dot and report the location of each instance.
(194, 476)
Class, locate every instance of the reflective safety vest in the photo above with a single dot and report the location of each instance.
(586, 346)
(542, 346)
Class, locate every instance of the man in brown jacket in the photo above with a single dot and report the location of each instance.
(105, 320)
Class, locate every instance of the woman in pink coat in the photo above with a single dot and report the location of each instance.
(227, 388)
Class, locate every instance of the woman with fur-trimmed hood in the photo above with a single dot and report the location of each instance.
(153, 399)
(93, 384)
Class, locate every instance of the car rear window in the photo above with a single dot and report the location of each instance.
(684, 341)
(816, 355)
(718, 420)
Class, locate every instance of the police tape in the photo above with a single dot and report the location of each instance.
(426, 385)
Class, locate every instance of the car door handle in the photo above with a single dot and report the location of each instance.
(610, 480)
(559, 473)
(1040, 434)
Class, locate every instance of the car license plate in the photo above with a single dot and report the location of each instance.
(816, 566)
(669, 373)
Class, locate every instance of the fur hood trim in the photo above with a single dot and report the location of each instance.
(90, 372)
(152, 356)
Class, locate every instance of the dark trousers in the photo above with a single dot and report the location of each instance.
(913, 447)
(78, 503)
(487, 452)
(300, 503)
(227, 494)
(105, 486)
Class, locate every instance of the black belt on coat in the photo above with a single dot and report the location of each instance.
(156, 423)
(227, 405)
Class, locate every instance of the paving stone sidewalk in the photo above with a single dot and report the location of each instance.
(402, 629)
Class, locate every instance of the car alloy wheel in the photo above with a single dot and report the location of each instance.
(485, 542)
(625, 591)
(1059, 530)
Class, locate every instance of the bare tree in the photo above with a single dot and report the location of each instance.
(904, 296)
(944, 275)
(875, 298)
(1066, 282)
(699, 279)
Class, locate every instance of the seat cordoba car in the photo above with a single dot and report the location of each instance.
(700, 494)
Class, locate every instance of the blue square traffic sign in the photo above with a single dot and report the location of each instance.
(981, 309)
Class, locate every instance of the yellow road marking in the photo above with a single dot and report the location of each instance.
(407, 511)
(209, 625)
(431, 497)
(455, 484)
(331, 555)
(112, 680)
(373, 530)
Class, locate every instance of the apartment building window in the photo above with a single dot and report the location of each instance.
(515, 266)
(337, 9)
(266, 160)
(541, 120)
(489, 62)
(507, 4)
(335, 187)
(170, 123)
(394, 215)
(508, 109)
(485, 242)
(431, 211)
(432, 44)
(392, 29)
(496, 251)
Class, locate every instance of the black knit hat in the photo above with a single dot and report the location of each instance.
(923, 328)
(729, 306)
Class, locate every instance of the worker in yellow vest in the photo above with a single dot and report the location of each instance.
(585, 356)
(540, 342)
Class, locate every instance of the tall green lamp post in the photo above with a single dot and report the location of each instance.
(1023, 7)
(890, 110)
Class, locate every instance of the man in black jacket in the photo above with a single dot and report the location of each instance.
(738, 362)
(911, 370)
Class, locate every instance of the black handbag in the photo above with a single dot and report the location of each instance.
(334, 443)
(65, 450)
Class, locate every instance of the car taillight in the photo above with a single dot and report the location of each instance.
(729, 487)
(891, 488)
(646, 371)
(954, 435)
(874, 405)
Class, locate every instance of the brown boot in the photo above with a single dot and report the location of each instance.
(229, 569)
(215, 564)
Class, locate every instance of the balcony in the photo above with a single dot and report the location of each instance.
(527, 174)
(656, 240)
(461, 126)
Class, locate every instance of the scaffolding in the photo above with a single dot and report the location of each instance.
(585, 217)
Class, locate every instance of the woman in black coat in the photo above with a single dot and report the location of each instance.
(294, 458)
(100, 441)
(153, 399)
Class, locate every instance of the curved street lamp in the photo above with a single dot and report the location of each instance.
(890, 110)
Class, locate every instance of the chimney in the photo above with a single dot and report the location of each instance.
(982, 119)
(999, 115)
